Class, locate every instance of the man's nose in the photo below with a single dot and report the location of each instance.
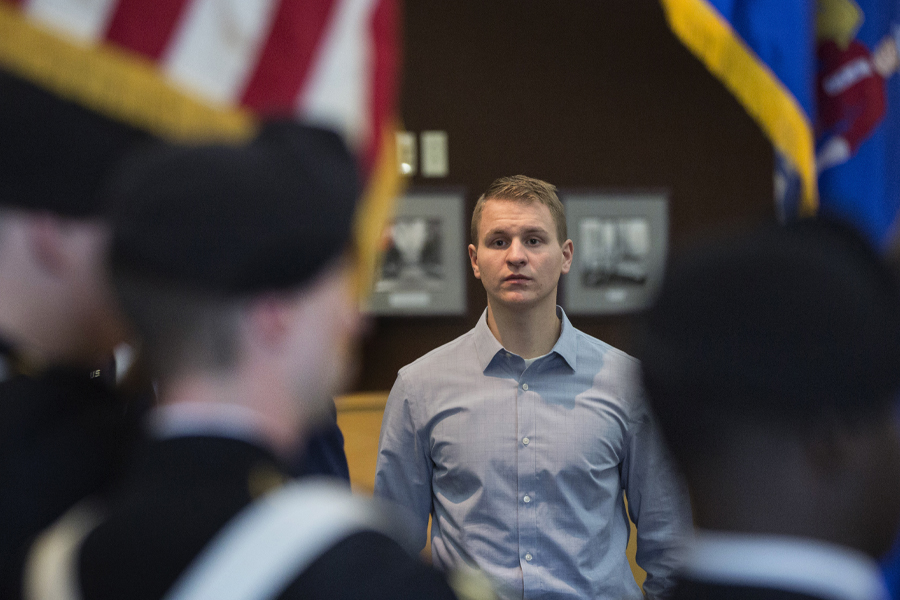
(516, 253)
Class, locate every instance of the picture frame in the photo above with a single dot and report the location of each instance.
(621, 243)
(422, 270)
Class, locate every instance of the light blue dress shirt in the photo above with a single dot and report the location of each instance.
(523, 469)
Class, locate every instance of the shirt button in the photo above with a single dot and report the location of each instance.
(527, 499)
(525, 386)
(528, 557)
(526, 441)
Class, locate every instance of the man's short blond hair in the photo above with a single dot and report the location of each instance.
(520, 188)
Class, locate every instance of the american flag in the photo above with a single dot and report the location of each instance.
(189, 69)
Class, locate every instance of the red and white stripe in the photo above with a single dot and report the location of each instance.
(329, 62)
(85, 20)
(216, 47)
(338, 90)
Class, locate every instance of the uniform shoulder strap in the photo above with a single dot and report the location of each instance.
(254, 557)
(272, 541)
(51, 570)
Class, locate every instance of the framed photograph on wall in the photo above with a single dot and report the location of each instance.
(422, 271)
(621, 241)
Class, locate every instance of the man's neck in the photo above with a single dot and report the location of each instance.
(211, 397)
(528, 332)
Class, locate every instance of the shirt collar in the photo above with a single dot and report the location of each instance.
(189, 419)
(567, 344)
(800, 565)
(487, 346)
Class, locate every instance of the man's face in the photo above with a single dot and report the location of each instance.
(518, 257)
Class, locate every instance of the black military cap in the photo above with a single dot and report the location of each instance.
(786, 324)
(267, 214)
(70, 107)
(55, 153)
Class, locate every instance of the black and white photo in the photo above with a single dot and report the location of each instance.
(620, 248)
(422, 270)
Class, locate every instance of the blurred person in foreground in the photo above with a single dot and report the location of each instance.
(99, 74)
(772, 361)
(233, 263)
(522, 437)
(891, 562)
(64, 432)
(81, 83)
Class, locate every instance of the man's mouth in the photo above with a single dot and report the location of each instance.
(517, 278)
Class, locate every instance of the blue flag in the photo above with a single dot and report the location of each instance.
(763, 51)
(857, 125)
(819, 76)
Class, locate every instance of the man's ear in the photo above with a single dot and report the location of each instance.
(568, 249)
(832, 448)
(473, 258)
(47, 241)
(268, 321)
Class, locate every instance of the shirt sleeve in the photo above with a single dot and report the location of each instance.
(657, 503)
(404, 468)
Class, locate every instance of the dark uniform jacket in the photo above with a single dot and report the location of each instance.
(696, 590)
(183, 490)
(64, 435)
(324, 453)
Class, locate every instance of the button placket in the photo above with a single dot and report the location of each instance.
(526, 400)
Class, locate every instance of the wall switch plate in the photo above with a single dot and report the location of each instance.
(435, 162)
(406, 153)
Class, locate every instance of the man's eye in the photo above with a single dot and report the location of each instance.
(497, 243)
(534, 241)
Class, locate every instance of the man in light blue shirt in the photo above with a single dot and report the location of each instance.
(521, 437)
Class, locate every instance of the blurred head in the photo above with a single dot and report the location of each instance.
(305, 335)
(234, 259)
(773, 359)
(57, 301)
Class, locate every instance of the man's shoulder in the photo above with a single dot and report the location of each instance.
(590, 345)
(340, 532)
(611, 372)
(147, 513)
(452, 353)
